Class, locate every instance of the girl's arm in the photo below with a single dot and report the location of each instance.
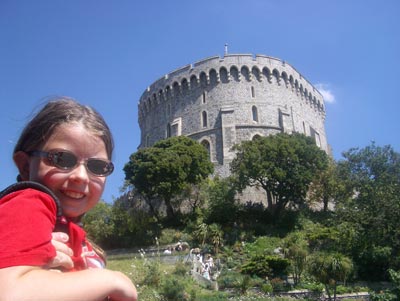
(32, 283)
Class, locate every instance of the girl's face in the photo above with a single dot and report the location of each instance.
(77, 189)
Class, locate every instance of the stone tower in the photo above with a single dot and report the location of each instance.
(221, 101)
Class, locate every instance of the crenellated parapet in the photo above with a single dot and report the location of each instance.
(221, 101)
(232, 67)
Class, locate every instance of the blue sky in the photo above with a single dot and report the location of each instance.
(106, 53)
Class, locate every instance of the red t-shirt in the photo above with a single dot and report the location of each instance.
(27, 219)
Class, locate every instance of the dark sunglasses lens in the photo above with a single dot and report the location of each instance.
(64, 160)
(100, 167)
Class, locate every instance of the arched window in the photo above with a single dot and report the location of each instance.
(223, 74)
(203, 97)
(213, 77)
(267, 73)
(185, 86)
(206, 144)
(234, 73)
(176, 89)
(275, 74)
(204, 119)
(245, 73)
(203, 79)
(256, 73)
(253, 92)
(254, 113)
(193, 82)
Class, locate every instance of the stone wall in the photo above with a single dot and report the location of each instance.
(222, 101)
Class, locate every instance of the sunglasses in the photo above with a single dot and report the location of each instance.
(66, 160)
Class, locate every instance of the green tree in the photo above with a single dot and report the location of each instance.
(221, 207)
(283, 165)
(167, 168)
(99, 224)
(327, 187)
(329, 269)
(295, 248)
(372, 174)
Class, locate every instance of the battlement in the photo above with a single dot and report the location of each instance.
(231, 66)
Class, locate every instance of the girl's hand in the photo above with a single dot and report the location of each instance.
(64, 253)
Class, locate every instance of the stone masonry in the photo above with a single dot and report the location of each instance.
(221, 101)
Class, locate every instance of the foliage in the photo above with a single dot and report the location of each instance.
(174, 290)
(209, 234)
(221, 208)
(372, 174)
(263, 245)
(170, 235)
(167, 168)
(227, 279)
(153, 273)
(132, 226)
(295, 248)
(327, 187)
(266, 266)
(99, 224)
(383, 296)
(329, 269)
(244, 283)
(283, 165)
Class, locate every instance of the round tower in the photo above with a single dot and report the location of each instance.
(222, 101)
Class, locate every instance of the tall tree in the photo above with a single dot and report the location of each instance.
(372, 174)
(166, 169)
(283, 165)
(327, 187)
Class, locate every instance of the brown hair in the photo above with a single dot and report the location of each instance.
(58, 111)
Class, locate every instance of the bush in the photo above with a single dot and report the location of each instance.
(153, 274)
(383, 296)
(181, 269)
(244, 283)
(174, 290)
(228, 279)
(266, 266)
(278, 285)
(267, 288)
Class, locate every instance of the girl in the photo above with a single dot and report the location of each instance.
(66, 147)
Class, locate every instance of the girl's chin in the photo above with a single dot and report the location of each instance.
(72, 213)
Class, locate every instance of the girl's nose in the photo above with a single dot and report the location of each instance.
(80, 173)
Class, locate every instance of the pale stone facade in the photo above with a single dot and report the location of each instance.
(221, 101)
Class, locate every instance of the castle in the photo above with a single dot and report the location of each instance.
(221, 101)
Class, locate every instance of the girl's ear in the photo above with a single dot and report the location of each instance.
(22, 160)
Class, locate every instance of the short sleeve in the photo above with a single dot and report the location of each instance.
(27, 219)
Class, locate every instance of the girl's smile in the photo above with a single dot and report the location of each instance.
(78, 189)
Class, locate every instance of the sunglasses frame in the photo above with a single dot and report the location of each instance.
(52, 154)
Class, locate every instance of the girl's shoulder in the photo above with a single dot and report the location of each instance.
(28, 200)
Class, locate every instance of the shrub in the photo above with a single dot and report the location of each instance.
(174, 290)
(153, 274)
(244, 283)
(181, 269)
(383, 296)
(266, 266)
(267, 288)
(278, 285)
(228, 279)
